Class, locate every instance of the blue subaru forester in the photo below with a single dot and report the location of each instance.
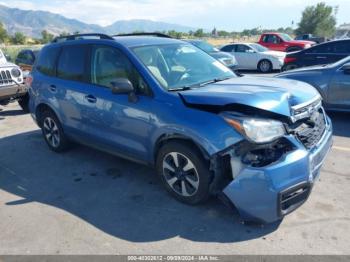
(260, 142)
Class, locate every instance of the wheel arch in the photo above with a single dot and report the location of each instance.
(166, 138)
(40, 109)
(264, 59)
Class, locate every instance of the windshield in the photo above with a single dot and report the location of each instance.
(259, 48)
(181, 66)
(285, 37)
(205, 46)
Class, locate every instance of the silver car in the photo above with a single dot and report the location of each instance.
(332, 81)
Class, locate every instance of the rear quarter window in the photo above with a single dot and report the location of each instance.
(47, 60)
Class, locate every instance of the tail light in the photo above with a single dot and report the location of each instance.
(28, 81)
(289, 60)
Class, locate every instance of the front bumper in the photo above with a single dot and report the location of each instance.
(267, 194)
(12, 91)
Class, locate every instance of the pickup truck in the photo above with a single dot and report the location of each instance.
(11, 84)
(310, 37)
(283, 42)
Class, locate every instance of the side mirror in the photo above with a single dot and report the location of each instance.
(251, 51)
(121, 86)
(346, 69)
(124, 86)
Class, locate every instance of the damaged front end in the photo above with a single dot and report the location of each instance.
(267, 180)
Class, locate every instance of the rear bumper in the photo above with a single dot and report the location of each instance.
(12, 91)
(269, 193)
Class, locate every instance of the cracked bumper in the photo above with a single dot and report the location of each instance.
(261, 194)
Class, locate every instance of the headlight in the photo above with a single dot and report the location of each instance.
(307, 46)
(15, 72)
(226, 61)
(257, 130)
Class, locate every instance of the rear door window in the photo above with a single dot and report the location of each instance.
(72, 63)
(47, 61)
(242, 49)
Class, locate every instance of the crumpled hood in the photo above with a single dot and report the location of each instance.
(270, 94)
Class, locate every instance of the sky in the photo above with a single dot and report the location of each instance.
(231, 15)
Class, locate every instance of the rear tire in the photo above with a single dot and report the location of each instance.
(183, 172)
(265, 66)
(53, 133)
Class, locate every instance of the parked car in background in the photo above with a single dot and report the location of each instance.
(325, 53)
(26, 59)
(283, 42)
(251, 56)
(310, 37)
(225, 58)
(332, 81)
(11, 84)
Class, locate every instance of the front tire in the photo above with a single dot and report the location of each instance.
(265, 66)
(24, 103)
(53, 133)
(184, 172)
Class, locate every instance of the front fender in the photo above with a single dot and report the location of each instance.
(207, 130)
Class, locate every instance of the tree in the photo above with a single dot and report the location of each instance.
(199, 33)
(318, 20)
(3, 34)
(19, 38)
(175, 34)
(46, 37)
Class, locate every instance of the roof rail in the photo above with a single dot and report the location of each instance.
(80, 36)
(146, 34)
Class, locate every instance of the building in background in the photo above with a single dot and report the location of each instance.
(343, 31)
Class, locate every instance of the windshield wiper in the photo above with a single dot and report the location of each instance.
(215, 80)
(189, 87)
(182, 88)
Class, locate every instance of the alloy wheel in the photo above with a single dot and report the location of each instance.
(265, 66)
(180, 174)
(51, 132)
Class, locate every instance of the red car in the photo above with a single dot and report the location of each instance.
(283, 42)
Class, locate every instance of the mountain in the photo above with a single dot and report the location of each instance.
(32, 23)
(128, 26)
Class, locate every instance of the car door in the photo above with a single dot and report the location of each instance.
(341, 49)
(319, 55)
(274, 42)
(70, 90)
(120, 125)
(246, 56)
(339, 88)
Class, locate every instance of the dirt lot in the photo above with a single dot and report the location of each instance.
(88, 202)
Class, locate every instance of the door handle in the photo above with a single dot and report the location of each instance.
(321, 57)
(91, 98)
(53, 88)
